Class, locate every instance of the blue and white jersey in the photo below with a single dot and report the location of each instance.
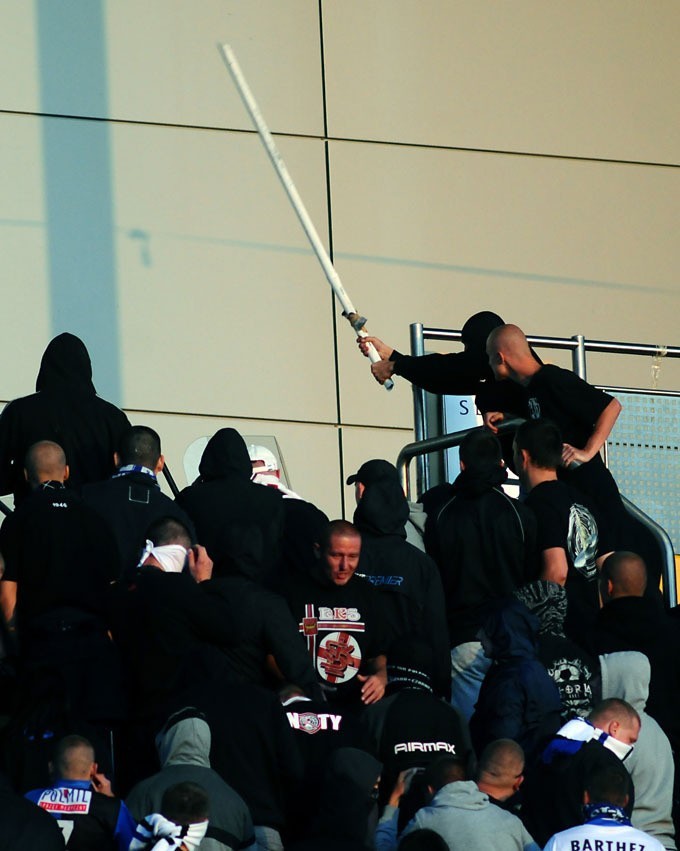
(603, 835)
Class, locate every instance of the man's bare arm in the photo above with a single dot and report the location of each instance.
(601, 430)
(554, 565)
(8, 600)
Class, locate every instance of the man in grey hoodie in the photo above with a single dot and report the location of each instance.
(461, 813)
(184, 750)
(626, 675)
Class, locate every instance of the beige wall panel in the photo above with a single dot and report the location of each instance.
(179, 77)
(223, 303)
(581, 79)
(310, 452)
(560, 247)
(19, 65)
(25, 296)
(157, 61)
(25, 309)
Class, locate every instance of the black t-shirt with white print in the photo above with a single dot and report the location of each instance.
(567, 519)
(574, 406)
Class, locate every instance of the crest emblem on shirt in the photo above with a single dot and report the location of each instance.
(534, 408)
(338, 657)
(309, 722)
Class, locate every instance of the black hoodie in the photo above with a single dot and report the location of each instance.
(485, 546)
(224, 496)
(67, 410)
(237, 578)
(407, 579)
(347, 806)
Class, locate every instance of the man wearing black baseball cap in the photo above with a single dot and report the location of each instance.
(407, 579)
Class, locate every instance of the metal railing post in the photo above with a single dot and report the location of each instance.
(578, 356)
(419, 406)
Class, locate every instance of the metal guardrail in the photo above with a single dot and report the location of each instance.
(420, 448)
(436, 444)
(577, 344)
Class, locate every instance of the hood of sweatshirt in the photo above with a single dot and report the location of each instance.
(383, 509)
(464, 794)
(626, 675)
(186, 742)
(510, 632)
(226, 454)
(240, 552)
(474, 481)
(475, 331)
(65, 367)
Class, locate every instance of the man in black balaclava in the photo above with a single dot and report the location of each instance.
(224, 496)
(66, 410)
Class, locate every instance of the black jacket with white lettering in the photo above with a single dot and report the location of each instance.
(410, 728)
(407, 579)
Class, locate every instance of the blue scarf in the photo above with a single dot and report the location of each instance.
(604, 813)
(134, 468)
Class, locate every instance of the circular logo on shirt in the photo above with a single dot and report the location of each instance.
(309, 722)
(338, 657)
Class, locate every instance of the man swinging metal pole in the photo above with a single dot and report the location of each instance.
(355, 320)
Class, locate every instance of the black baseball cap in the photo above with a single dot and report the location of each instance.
(374, 471)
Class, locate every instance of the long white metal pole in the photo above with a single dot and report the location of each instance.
(356, 321)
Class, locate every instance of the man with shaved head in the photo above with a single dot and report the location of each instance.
(82, 802)
(59, 562)
(339, 616)
(631, 620)
(584, 415)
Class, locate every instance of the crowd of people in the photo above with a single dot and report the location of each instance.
(231, 669)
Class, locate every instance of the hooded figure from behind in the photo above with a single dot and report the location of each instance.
(65, 409)
(626, 675)
(273, 632)
(407, 579)
(184, 753)
(518, 699)
(224, 496)
(347, 813)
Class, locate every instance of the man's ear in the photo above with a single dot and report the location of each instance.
(116, 460)
(518, 782)
(67, 472)
(586, 797)
(159, 464)
(526, 458)
(25, 474)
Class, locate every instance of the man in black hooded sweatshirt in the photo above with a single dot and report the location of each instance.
(66, 410)
(459, 374)
(224, 496)
(406, 578)
(484, 544)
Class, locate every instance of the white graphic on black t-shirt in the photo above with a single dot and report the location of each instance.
(534, 408)
(572, 677)
(582, 541)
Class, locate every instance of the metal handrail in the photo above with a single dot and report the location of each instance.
(436, 444)
(446, 441)
(670, 591)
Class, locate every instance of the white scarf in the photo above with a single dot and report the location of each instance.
(160, 834)
(171, 557)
